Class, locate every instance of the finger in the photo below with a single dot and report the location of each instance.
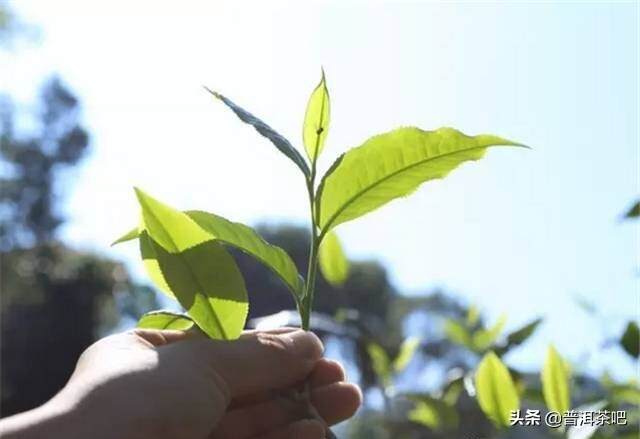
(262, 360)
(337, 402)
(304, 429)
(334, 403)
(160, 337)
(324, 373)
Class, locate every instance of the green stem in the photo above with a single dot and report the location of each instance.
(309, 290)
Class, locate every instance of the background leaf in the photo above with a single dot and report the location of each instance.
(165, 320)
(380, 363)
(433, 413)
(207, 282)
(496, 393)
(633, 211)
(484, 338)
(457, 333)
(316, 120)
(630, 340)
(276, 138)
(405, 353)
(392, 165)
(555, 382)
(334, 264)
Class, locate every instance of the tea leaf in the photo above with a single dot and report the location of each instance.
(630, 340)
(484, 338)
(276, 138)
(198, 271)
(405, 353)
(246, 239)
(129, 236)
(333, 262)
(165, 320)
(206, 226)
(392, 165)
(555, 382)
(496, 393)
(207, 282)
(380, 363)
(457, 333)
(316, 120)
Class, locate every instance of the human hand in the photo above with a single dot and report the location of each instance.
(167, 384)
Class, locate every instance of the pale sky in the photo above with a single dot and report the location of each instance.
(520, 232)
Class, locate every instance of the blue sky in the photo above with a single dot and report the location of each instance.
(521, 232)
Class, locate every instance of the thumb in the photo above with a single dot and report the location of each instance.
(263, 360)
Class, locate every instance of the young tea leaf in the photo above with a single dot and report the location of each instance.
(129, 236)
(316, 120)
(393, 165)
(207, 282)
(434, 413)
(555, 382)
(405, 354)
(380, 363)
(484, 338)
(496, 392)
(247, 240)
(333, 262)
(170, 228)
(165, 320)
(276, 138)
(186, 229)
(457, 333)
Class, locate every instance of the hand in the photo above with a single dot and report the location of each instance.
(168, 384)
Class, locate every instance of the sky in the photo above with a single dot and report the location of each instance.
(520, 232)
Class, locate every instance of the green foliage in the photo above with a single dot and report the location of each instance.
(405, 353)
(633, 211)
(433, 413)
(165, 320)
(380, 362)
(207, 283)
(333, 261)
(276, 138)
(630, 340)
(555, 382)
(484, 338)
(182, 251)
(316, 120)
(496, 392)
(392, 165)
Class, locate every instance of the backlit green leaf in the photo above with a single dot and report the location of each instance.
(457, 333)
(405, 353)
(630, 340)
(473, 316)
(276, 138)
(193, 227)
(496, 392)
(129, 236)
(432, 412)
(165, 320)
(207, 282)
(246, 239)
(380, 363)
(555, 382)
(170, 228)
(484, 338)
(316, 120)
(392, 165)
(333, 262)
